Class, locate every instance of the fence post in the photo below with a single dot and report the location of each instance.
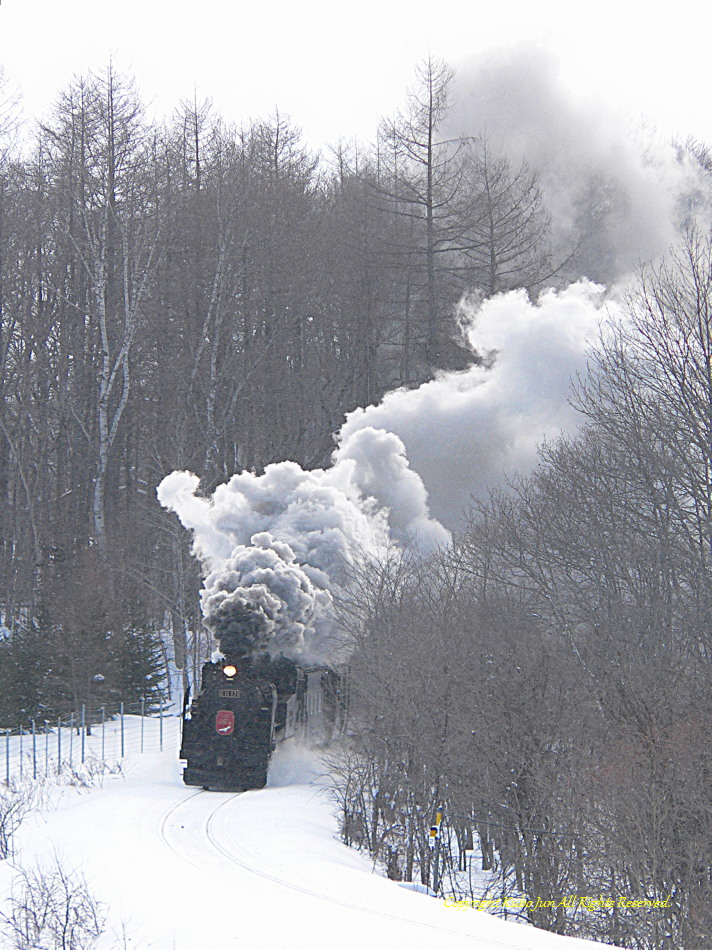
(103, 729)
(59, 744)
(46, 724)
(7, 756)
(143, 709)
(71, 740)
(122, 730)
(21, 731)
(84, 721)
(34, 750)
(160, 728)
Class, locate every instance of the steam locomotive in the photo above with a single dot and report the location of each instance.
(245, 706)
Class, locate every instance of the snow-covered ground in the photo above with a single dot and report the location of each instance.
(184, 869)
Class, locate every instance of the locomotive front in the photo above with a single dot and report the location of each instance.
(228, 733)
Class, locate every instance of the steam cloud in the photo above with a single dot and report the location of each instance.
(618, 190)
(276, 546)
(465, 433)
(258, 591)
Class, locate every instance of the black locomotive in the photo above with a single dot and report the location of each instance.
(244, 707)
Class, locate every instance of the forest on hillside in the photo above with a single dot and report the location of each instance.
(198, 296)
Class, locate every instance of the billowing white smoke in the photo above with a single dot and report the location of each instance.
(464, 433)
(275, 546)
(623, 192)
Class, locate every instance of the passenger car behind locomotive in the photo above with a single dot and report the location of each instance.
(244, 707)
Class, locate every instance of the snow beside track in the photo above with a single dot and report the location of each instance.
(183, 869)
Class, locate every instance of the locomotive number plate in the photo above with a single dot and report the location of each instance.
(229, 693)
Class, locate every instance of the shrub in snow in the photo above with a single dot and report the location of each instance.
(52, 908)
(89, 774)
(16, 801)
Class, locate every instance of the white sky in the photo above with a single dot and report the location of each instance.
(336, 68)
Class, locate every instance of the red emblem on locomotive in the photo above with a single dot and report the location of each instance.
(224, 722)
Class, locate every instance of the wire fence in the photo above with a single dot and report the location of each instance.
(93, 735)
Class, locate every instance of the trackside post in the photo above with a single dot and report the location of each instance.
(435, 842)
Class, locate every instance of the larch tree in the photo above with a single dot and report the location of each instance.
(107, 219)
(420, 177)
(505, 230)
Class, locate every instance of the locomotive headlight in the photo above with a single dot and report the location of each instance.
(229, 670)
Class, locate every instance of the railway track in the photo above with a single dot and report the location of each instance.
(197, 819)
